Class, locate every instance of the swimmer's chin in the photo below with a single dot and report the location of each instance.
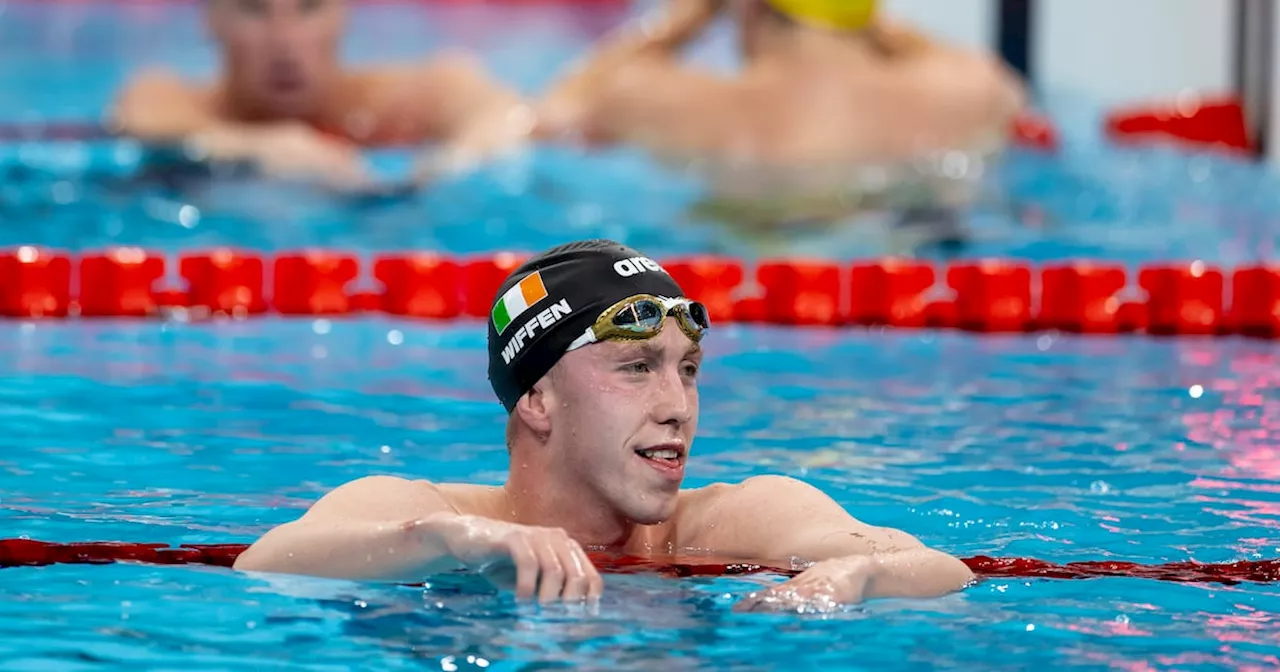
(655, 511)
(654, 519)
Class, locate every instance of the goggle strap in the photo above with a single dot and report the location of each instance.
(587, 338)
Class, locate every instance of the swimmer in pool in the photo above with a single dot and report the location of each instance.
(286, 104)
(834, 102)
(594, 352)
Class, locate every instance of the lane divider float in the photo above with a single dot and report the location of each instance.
(985, 296)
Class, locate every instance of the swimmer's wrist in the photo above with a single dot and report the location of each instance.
(452, 533)
(431, 526)
(438, 539)
(873, 575)
(919, 572)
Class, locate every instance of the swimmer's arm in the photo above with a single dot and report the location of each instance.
(452, 93)
(782, 518)
(898, 39)
(681, 113)
(653, 38)
(377, 528)
(664, 33)
(157, 107)
(456, 105)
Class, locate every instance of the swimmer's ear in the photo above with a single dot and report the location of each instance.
(532, 409)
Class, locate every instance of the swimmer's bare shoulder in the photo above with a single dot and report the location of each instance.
(391, 498)
(430, 100)
(778, 518)
(158, 105)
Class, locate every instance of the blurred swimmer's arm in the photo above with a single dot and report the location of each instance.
(773, 517)
(375, 528)
(471, 114)
(661, 33)
(159, 108)
(654, 38)
(450, 94)
(681, 113)
(897, 39)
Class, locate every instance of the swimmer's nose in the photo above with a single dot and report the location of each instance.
(670, 405)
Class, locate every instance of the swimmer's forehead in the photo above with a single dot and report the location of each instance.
(651, 348)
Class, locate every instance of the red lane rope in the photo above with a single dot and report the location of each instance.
(1185, 298)
(32, 553)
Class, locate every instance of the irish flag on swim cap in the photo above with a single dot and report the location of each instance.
(518, 299)
(847, 15)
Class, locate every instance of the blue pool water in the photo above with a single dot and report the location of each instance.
(1058, 448)
(1062, 449)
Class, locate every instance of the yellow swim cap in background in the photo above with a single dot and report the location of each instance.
(847, 15)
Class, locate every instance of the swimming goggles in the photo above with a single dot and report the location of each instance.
(642, 316)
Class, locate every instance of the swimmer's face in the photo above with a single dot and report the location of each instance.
(610, 401)
(279, 54)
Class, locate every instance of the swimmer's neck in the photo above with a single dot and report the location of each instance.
(235, 102)
(795, 49)
(529, 500)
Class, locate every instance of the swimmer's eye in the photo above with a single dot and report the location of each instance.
(637, 367)
(689, 370)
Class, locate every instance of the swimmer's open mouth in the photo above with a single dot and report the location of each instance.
(670, 454)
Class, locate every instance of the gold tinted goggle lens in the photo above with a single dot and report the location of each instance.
(642, 316)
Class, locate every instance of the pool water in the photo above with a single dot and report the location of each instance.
(1046, 446)
(1055, 448)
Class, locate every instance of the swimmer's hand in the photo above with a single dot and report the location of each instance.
(286, 151)
(546, 562)
(825, 587)
(849, 580)
(500, 132)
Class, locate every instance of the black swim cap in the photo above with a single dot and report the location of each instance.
(553, 298)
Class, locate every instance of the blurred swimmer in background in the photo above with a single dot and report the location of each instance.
(285, 104)
(835, 110)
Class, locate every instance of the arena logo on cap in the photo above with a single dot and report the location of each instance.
(635, 266)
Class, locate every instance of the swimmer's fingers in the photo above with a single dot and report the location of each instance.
(823, 587)
(526, 562)
(578, 572)
(301, 153)
(551, 570)
(772, 600)
(595, 584)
